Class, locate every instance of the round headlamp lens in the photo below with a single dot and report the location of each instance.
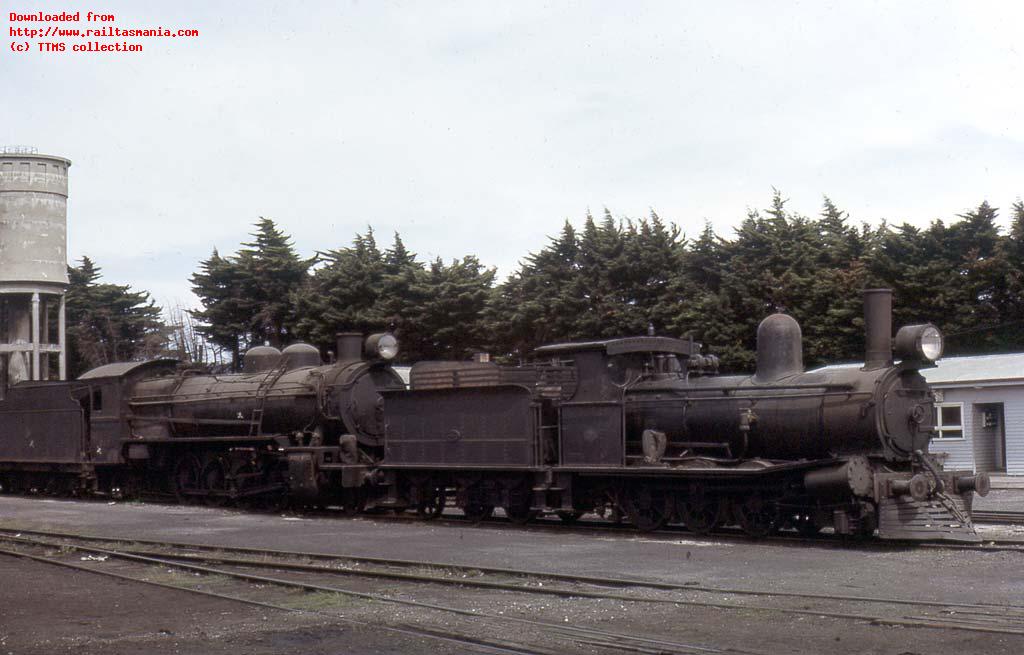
(930, 343)
(387, 346)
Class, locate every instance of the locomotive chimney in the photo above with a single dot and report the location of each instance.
(877, 328)
(349, 345)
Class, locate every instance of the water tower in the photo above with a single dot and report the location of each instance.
(33, 264)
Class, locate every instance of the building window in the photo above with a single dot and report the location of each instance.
(949, 422)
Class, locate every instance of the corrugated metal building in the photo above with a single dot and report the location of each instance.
(980, 414)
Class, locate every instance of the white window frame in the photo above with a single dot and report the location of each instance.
(939, 427)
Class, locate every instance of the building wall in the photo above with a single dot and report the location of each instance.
(974, 451)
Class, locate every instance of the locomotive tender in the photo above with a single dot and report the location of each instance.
(641, 428)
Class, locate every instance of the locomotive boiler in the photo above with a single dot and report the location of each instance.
(644, 428)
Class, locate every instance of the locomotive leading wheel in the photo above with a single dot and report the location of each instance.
(757, 517)
(648, 508)
(699, 513)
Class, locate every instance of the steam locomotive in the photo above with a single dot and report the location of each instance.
(640, 429)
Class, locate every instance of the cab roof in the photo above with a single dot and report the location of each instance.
(621, 346)
(120, 369)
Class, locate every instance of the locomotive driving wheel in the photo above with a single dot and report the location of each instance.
(186, 478)
(214, 481)
(353, 501)
(700, 513)
(757, 517)
(804, 524)
(647, 507)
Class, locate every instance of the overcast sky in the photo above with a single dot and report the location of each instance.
(478, 128)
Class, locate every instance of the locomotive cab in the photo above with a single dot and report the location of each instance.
(591, 420)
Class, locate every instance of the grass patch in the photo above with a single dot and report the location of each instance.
(320, 601)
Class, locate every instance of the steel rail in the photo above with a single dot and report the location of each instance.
(605, 581)
(407, 631)
(998, 516)
(873, 619)
(309, 586)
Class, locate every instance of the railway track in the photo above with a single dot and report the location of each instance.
(676, 532)
(596, 525)
(998, 516)
(251, 564)
(241, 570)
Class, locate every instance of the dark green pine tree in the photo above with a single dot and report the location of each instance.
(227, 312)
(400, 296)
(653, 255)
(449, 315)
(949, 275)
(247, 298)
(343, 295)
(540, 302)
(696, 287)
(603, 267)
(108, 323)
(833, 305)
(271, 273)
(1010, 291)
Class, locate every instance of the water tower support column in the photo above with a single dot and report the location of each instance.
(36, 338)
(63, 358)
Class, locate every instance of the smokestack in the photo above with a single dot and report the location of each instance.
(349, 346)
(877, 328)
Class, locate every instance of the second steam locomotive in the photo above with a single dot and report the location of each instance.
(638, 428)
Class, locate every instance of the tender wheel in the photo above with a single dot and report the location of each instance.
(648, 508)
(518, 508)
(700, 514)
(186, 478)
(474, 501)
(433, 499)
(477, 512)
(757, 517)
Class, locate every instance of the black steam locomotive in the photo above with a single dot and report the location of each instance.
(639, 428)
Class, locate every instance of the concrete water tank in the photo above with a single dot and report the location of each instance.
(33, 218)
(33, 263)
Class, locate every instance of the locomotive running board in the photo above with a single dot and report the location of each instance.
(941, 517)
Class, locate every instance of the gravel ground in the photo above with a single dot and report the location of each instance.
(49, 610)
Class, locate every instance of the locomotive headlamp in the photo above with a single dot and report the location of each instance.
(919, 342)
(382, 345)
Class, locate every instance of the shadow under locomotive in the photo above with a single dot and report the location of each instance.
(644, 428)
